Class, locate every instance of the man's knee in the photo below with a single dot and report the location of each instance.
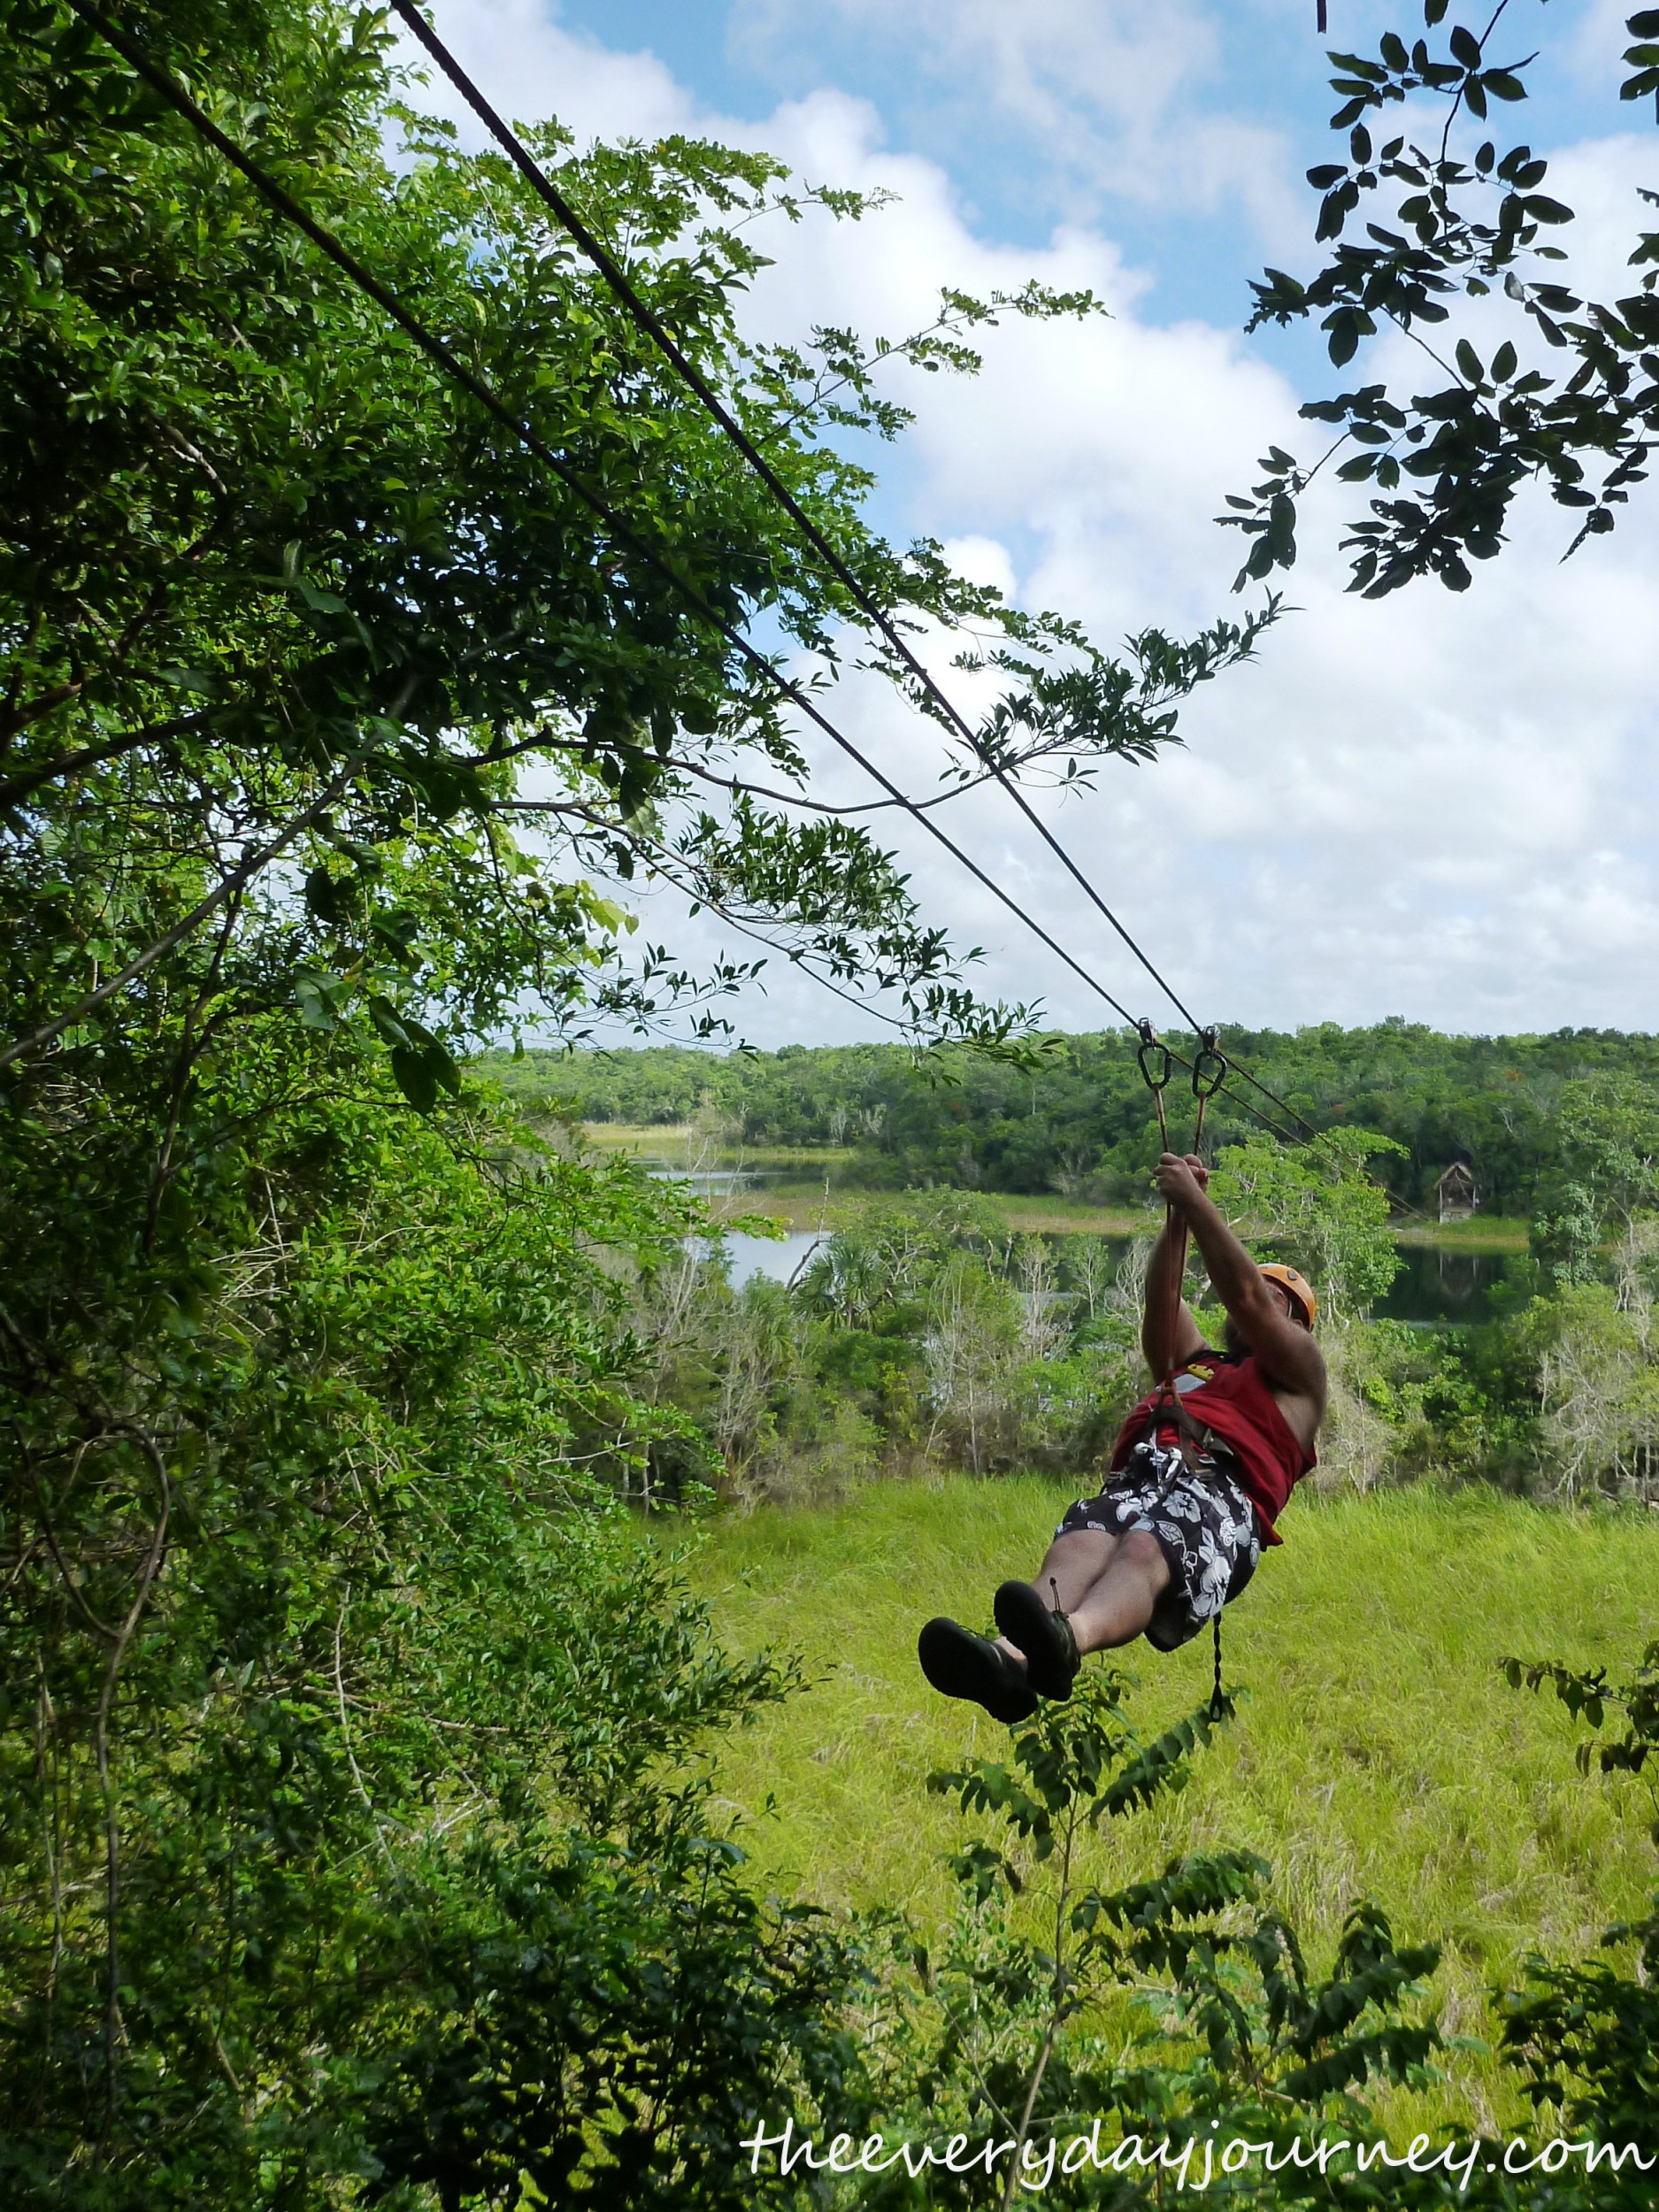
(1141, 1554)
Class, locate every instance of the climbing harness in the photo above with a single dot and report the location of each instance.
(1209, 1073)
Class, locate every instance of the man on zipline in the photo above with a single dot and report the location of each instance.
(1200, 1473)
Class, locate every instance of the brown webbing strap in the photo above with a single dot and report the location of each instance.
(1210, 1069)
(1175, 1251)
(1174, 1254)
(1191, 1433)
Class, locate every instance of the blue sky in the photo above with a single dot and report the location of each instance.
(1440, 807)
(1256, 66)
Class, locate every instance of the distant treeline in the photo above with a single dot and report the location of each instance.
(1082, 1123)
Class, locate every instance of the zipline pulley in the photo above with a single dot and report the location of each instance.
(1210, 1069)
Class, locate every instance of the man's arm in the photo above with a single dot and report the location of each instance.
(1163, 1297)
(1289, 1356)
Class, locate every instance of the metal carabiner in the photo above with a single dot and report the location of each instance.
(1209, 1067)
(1153, 1047)
(1210, 1073)
(1154, 1053)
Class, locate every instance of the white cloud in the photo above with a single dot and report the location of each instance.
(1436, 805)
(1104, 96)
(528, 66)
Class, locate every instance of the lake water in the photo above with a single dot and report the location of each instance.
(1441, 1286)
(779, 1258)
(1436, 1287)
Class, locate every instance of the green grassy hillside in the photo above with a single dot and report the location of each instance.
(1377, 1752)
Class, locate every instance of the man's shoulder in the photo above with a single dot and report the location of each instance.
(1201, 1367)
(1207, 1355)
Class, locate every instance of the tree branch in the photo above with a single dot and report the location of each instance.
(227, 887)
(112, 2026)
(16, 789)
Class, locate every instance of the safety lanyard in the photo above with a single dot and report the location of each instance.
(1210, 1071)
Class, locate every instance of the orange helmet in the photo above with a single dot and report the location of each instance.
(1297, 1288)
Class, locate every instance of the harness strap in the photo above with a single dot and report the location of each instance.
(1188, 1431)
(1210, 1071)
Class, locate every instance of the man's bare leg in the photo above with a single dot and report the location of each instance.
(1116, 1607)
(1106, 1586)
(1073, 1564)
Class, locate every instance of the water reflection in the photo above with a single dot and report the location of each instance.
(708, 1182)
(1437, 1287)
(779, 1259)
(1441, 1286)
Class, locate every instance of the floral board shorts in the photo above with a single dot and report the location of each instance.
(1205, 1527)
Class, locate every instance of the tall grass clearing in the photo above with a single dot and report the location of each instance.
(1378, 1751)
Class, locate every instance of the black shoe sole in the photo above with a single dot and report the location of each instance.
(1051, 1656)
(958, 1663)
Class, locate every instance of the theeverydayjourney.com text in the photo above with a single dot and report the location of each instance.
(1191, 2161)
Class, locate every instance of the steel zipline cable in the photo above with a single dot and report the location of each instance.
(162, 82)
(646, 318)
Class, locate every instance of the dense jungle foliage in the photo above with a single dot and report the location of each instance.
(1530, 1115)
(351, 1820)
(358, 1835)
(922, 1327)
(919, 1331)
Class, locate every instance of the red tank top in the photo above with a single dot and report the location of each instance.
(1232, 1397)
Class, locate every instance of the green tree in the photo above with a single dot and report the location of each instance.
(1562, 389)
(1585, 2031)
(1605, 1166)
(334, 726)
(1318, 1206)
(1178, 2009)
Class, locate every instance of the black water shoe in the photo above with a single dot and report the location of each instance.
(1045, 1637)
(962, 1664)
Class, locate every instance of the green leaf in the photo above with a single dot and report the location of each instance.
(415, 1077)
(387, 1022)
(1344, 329)
(322, 895)
(320, 998)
